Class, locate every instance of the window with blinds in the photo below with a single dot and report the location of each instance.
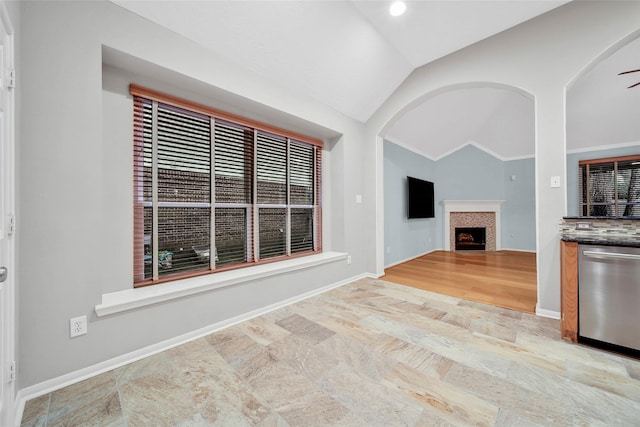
(610, 187)
(213, 191)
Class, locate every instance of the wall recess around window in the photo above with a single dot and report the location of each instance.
(213, 191)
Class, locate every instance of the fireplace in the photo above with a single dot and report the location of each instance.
(470, 238)
(472, 214)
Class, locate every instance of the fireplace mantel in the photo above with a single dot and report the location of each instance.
(471, 206)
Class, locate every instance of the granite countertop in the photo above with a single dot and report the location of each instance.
(602, 240)
(588, 218)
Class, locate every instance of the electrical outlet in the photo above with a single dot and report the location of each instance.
(77, 326)
(348, 259)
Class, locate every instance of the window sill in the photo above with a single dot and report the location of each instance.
(116, 302)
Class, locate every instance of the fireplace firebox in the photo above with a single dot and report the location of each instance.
(470, 238)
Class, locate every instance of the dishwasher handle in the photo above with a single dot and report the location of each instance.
(611, 255)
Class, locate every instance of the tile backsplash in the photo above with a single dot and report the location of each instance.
(600, 228)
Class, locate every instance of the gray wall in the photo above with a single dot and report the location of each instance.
(405, 238)
(572, 171)
(75, 190)
(466, 174)
(518, 212)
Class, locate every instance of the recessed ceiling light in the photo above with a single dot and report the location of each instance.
(397, 8)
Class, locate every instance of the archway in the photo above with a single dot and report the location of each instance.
(476, 142)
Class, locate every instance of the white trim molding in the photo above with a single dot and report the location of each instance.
(578, 150)
(417, 150)
(129, 299)
(547, 313)
(411, 258)
(472, 206)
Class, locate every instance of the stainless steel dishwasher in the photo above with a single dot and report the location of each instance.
(609, 295)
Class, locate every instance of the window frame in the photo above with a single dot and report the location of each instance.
(584, 197)
(140, 95)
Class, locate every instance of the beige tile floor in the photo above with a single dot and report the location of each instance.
(370, 353)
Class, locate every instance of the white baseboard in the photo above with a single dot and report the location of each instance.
(53, 384)
(547, 313)
(519, 250)
(412, 257)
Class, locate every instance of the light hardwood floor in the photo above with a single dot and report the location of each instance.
(506, 278)
(370, 353)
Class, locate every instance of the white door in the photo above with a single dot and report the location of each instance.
(7, 222)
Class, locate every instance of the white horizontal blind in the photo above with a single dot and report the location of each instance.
(271, 184)
(176, 190)
(271, 169)
(601, 190)
(142, 191)
(233, 181)
(610, 187)
(184, 190)
(260, 203)
(583, 200)
(301, 190)
(628, 178)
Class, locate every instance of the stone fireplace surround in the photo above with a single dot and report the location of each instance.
(473, 213)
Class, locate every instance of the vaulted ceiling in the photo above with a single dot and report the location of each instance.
(601, 108)
(352, 55)
(500, 121)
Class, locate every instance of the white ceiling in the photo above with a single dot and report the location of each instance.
(601, 110)
(352, 55)
(498, 120)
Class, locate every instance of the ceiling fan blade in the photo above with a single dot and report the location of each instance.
(634, 85)
(628, 72)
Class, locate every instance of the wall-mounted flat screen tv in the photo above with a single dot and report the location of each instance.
(420, 195)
